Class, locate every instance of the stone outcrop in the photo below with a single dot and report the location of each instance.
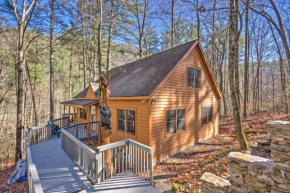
(254, 174)
(212, 183)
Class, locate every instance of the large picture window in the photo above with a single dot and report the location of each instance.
(175, 120)
(206, 115)
(83, 113)
(126, 121)
(193, 78)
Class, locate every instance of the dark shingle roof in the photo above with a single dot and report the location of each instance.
(140, 78)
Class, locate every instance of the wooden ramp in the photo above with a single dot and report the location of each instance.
(57, 172)
(126, 182)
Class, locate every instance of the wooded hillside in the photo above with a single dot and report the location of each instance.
(51, 50)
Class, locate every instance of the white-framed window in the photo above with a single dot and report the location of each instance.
(126, 121)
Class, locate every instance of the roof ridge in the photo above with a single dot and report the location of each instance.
(156, 53)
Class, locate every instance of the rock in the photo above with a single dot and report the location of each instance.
(256, 185)
(211, 181)
(279, 124)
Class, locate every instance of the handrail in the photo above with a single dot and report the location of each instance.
(59, 119)
(37, 127)
(112, 145)
(39, 134)
(83, 156)
(78, 142)
(34, 185)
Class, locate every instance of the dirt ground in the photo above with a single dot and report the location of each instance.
(186, 167)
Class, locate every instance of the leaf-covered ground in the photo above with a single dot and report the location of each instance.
(186, 167)
(17, 187)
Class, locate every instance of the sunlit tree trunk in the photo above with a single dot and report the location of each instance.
(233, 62)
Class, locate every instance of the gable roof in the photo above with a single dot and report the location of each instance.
(141, 77)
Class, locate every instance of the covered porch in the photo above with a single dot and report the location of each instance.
(81, 111)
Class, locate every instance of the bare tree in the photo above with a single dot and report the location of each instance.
(233, 62)
(110, 34)
(22, 22)
(51, 62)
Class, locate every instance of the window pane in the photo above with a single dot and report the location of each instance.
(121, 125)
(171, 127)
(204, 111)
(130, 115)
(204, 120)
(209, 114)
(197, 73)
(181, 124)
(131, 127)
(190, 82)
(181, 114)
(121, 114)
(197, 83)
(171, 115)
(85, 113)
(190, 72)
(209, 118)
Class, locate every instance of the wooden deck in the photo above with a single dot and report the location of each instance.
(58, 173)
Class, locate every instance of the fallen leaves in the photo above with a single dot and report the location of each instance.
(210, 155)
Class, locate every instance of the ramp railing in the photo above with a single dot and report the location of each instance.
(34, 185)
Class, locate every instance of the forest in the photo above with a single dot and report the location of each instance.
(51, 50)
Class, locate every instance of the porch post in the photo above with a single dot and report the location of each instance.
(68, 115)
(74, 117)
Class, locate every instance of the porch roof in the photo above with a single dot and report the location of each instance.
(81, 102)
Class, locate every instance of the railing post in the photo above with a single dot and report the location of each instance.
(100, 167)
(151, 167)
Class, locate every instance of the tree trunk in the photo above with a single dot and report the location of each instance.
(51, 62)
(70, 73)
(100, 38)
(110, 34)
(172, 23)
(32, 96)
(198, 20)
(246, 70)
(233, 62)
(83, 42)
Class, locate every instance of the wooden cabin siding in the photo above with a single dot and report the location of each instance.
(90, 93)
(173, 93)
(141, 119)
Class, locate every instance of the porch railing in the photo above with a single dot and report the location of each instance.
(32, 174)
(111, 159)
(80, 131)
(61, 122)
(39, 134)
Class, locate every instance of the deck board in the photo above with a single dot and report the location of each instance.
(57, 172)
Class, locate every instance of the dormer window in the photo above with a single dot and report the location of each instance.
(193, 77)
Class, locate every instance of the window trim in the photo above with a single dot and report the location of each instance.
(117, 123)
(195, 68)
(178, 131)
(207, 106)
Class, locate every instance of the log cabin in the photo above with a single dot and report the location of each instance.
(167, 101)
